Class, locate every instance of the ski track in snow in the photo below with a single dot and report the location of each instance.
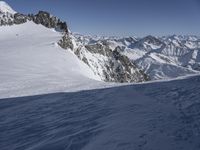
(154, 116)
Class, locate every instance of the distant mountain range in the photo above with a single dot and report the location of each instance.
(126, 59)
(53, 95)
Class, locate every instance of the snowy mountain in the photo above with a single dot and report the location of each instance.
(52, 94)
(6, 13)
(159, 57)
(108, 65)
(128, 59)
(5, 8)
(169, 58)
(32, 63)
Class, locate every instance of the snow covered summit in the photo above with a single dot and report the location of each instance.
(6, 14)
(5, 8)
(117, 59)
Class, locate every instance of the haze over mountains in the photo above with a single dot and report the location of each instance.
(60, 90)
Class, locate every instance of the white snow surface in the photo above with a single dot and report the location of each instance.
(5, 8)
(32, 63)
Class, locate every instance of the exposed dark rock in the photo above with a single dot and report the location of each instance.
(43, 18)
(6, 19)
(49, 21)
(125, 70)
(66, 42)
(20, 18)
(115, 66)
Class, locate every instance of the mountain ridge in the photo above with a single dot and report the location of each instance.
(138, 60)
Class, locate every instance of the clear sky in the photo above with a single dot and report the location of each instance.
(121, 17)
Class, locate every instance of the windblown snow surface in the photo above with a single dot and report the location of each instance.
(162, 115)
(154, 116)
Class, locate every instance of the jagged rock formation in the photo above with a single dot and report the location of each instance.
(158, 57)
(109, 64)
(6, 14)
(127, 59)
(118, 68)
(66, 42)
(48, 21)
(6, 19)
(20, 18)
(9, 17)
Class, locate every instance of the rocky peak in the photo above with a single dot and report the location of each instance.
(10, 17)
(49, 21)
(152, 40)
(66, 42)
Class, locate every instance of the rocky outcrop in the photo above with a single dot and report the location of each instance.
(117, 68)
(66, 42)
(110, 65)
(49, 21)
(43, 18)
(126, 69)
(6, 19)
(20, 18)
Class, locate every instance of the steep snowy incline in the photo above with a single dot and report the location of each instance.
(32, 63)
(154, 116)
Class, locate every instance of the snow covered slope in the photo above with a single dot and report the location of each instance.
(155, 116)
(31, 63)
(5, 8)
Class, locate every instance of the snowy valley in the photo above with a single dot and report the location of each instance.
(65, 91)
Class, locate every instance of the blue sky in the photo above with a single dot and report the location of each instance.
(121, 17)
